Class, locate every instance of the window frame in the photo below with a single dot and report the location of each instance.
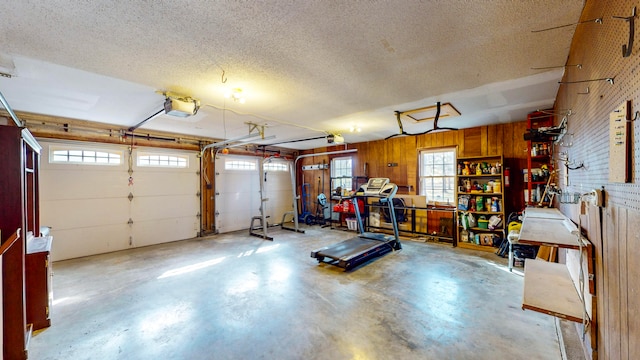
(341, 180)
(229, 164)
(115, 154)
(448, 177)
(275, 166)
(168, 155)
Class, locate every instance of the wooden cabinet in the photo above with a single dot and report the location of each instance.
(39, 296)
(19, 166)
(481, 201)
(539, 161)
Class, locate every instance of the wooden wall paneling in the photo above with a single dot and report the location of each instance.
(409, 162)
(385, 158)
(508, 139)
(425, 141)
(594, 233)
(360, 165)
(612, 287)
(412, 167)
(404, 145)
(484, 143)
(472, 142)
(492, 140)
(450, 137)
(460, 142)
(377, 158)
(439, 139)
(207, 193)
(623, 285)
(633, 286)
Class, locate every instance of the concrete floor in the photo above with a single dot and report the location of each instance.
(233, 296)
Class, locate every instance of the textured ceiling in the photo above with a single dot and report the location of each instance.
(306, 68)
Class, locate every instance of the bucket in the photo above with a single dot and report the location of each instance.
(483, 224)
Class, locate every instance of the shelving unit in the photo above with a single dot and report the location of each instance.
(480, 178)
(539, 162)
(19, 163)
(555, 288)
(337, 218)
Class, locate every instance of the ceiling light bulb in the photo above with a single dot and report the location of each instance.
(241, 100)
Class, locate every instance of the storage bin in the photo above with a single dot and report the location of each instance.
(352, 224)
(483, 224)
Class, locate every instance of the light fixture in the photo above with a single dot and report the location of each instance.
(355, 128)
(235, 95)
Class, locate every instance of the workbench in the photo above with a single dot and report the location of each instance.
(557, 288)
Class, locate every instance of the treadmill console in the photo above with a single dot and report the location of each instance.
(377, 187)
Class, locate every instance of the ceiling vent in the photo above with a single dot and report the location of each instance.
(181, 107)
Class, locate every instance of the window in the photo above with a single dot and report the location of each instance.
(271, 166)
(163, 160)
(239, 165)
(342, 173)
(437, 175)
(82, 156)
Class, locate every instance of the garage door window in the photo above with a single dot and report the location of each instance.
(276, 167)
(84, 156)
(239, 165)
(163, 160)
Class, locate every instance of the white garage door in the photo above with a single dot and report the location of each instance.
(237, 187)
(93, 206)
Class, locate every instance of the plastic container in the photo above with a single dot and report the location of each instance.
(483, 224)
(497, 186)
(352, 224)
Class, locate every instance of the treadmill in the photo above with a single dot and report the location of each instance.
(358, 250)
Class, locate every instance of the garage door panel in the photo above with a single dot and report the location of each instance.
(232, 182)
(91, 201)
(77, 242)
(278, 191)
(242, 221)
(66, 214)
(237, 201)
(74, 184)
(148, 184)
(165, 207)
(238, 198)
(161, 231)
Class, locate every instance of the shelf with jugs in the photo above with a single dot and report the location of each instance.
(480, 200)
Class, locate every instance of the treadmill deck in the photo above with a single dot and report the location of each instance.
(352, 252)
